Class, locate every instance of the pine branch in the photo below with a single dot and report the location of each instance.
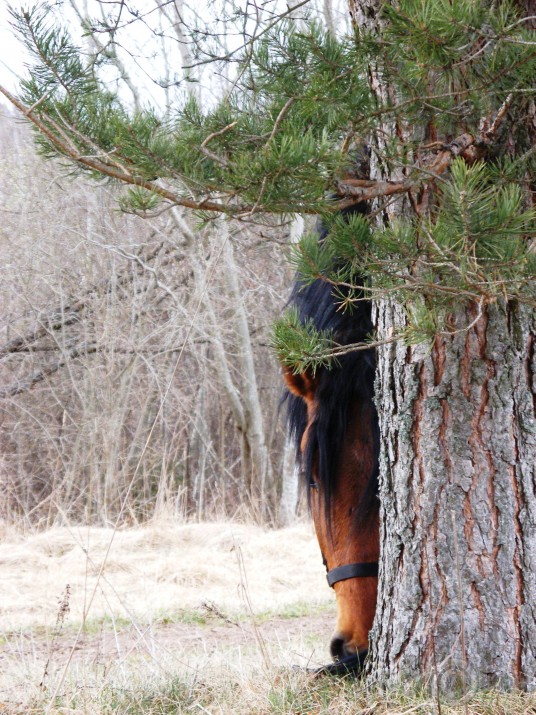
(210, 154)
(101, 165)
(467, 146)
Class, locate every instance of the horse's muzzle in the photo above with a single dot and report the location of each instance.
(352, 664)
(339, 648)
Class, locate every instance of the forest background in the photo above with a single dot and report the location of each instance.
(136, 373)
(137, 367)
(97, 308)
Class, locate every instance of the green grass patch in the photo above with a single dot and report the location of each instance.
(293, 610)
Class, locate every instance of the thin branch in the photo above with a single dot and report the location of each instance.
(210, 154)
(40, 375)
(467, 328)
(280, 117)
(252, 40)
(492, 131)
(259, 198)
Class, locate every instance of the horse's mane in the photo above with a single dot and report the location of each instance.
(337, 389)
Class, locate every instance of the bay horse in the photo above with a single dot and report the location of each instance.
(332, 418)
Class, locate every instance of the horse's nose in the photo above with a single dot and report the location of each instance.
(339, 648)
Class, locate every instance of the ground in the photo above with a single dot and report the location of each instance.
(80, 604)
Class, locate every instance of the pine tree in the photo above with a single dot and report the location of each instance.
(426, 113)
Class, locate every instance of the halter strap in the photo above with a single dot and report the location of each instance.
(341, 573)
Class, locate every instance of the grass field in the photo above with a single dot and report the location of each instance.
(192, 618)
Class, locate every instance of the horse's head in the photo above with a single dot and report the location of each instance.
(338, 455)
(333, 420)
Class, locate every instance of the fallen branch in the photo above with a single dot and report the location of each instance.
(40, 375)
(70, 314)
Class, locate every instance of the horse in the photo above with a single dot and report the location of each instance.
(332, 419)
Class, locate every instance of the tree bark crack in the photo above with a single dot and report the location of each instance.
(529, 370)
(518, 565)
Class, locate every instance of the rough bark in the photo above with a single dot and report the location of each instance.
(457, 581)
(457, 588)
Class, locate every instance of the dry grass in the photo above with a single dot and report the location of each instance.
(167, 600)
(156, 570)
(177, 626)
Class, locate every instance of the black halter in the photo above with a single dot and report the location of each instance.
(341, 573)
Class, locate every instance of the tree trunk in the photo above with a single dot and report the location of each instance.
(290, 477)
(458, 566)
(290, 484)
(249, 389)
(243, 394)
(457, 582)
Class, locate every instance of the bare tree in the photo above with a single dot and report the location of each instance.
(129, 378)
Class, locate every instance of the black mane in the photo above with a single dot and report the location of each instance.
(337, 389)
